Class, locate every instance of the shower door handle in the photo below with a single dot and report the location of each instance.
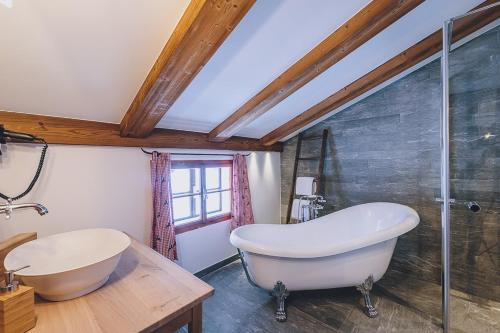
(441, 200)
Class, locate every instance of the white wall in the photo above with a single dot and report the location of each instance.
(265, 186)
(86, 187)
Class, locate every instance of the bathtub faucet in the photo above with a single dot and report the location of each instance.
(315, 205)
(9, 207)
(320, 201)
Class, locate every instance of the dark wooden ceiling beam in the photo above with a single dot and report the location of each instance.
(368, 22)
(403, 61)
(56, 130)
(202, 29)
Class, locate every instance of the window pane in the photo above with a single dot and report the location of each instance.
(186, 209)
(226, 178)
(214, 202)
(180, 180)
(196, 180)
(185, 181)
(218, 203)
(212, 178)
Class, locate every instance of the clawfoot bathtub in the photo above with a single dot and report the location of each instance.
(351, 247)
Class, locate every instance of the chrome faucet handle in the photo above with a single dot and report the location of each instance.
(8, 209)
(10, 283)
(320, 199)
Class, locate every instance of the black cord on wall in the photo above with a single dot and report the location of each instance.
(10, 136)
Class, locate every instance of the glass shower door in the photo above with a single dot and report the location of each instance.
(474, 173)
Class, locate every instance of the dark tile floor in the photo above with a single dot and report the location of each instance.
(239, 307)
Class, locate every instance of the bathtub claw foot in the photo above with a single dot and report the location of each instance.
(365, 289)
(281, 293)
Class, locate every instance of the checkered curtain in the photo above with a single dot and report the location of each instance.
(242, 213)
(163, 232)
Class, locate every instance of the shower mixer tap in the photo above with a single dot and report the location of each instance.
(473, 206)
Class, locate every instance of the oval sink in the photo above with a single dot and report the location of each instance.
(68, 265)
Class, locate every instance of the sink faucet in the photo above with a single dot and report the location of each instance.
(9, 207)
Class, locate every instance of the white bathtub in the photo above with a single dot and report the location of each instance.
(341, 249)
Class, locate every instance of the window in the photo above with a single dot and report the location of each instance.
(201, 192)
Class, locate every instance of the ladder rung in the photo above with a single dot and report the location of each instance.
(312, 137)
(320, 159)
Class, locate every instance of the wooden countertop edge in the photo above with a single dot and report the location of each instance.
(166, 264)
(162, 322)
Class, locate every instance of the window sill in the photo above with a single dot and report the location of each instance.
(179, 229)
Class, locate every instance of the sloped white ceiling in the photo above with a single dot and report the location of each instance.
(410, 29)
(87, 59)
(82, 59)
(270, 38)
(274, 35)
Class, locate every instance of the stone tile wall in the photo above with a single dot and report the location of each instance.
(387, 148)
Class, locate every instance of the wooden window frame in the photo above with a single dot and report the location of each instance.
(203, 164)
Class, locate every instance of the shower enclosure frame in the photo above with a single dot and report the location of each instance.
(445, 176)
(445, 199)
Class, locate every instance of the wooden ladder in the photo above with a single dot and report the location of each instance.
(298, 158)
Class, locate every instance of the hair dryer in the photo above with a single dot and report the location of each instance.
(5, 134)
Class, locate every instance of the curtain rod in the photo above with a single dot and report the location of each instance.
(191, 154)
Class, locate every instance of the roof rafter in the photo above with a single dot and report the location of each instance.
(202, 29)
(403, 61)
(364, 25)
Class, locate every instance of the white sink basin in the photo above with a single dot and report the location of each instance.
(70, 264)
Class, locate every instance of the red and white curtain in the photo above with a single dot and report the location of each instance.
(242, 213)
(163, 231)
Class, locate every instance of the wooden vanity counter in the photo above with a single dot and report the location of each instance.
(146, 293)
